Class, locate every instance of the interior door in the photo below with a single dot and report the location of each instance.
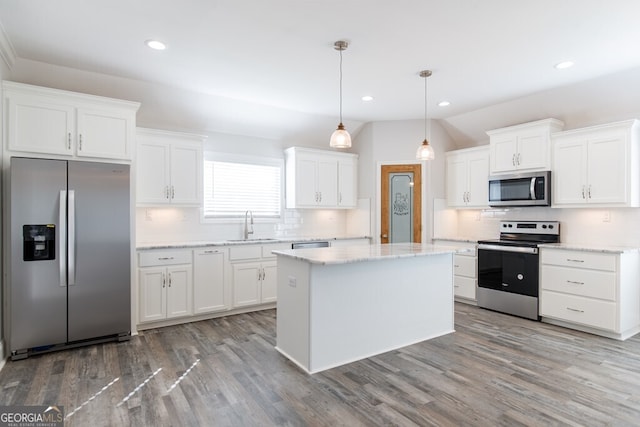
(401, 203)
(99, 250)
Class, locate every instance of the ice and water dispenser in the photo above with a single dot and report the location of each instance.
(39, 242)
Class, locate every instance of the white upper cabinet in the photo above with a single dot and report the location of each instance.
(56, 122)
(597, 166)
(467, 177)
(169, 168)
(524, 147)
(320, 179)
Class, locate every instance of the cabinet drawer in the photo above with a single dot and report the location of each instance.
(245, 252)
(171, 257)
(457, 244)
(465, 266)
(590, 260)
(266, 249)
(586, 283)
(585, 311)
(464, 287)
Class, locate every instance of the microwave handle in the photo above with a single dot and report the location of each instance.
(532, 188)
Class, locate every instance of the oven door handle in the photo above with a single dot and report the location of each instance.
(502, 248)
(532, 188)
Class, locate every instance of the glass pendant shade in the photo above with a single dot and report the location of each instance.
(340, 138)
(425, 151)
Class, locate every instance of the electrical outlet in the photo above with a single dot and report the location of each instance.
(292, 281)
(606, 216)
(147, 215)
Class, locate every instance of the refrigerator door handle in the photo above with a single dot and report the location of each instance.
(62, 233)
(72, 237)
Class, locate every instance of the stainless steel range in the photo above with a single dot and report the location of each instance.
(508, 267)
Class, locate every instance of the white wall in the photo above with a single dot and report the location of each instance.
(391, 142)
(580, 226)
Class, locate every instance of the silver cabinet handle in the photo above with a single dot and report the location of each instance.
(575, 260)
(518, 161)
(589, 191)
(209, 252)
(69, 141)
(583, 192)
(166, 192)
(575, 309)
(164, 280)
(513, 159)
(169, 279)
(574, 282)
(164, 258)
(80, 143)
(173, 192)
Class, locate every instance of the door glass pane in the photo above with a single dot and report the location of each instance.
(401, 207)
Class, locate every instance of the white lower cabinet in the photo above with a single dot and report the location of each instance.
(465, 270)
(254, 273)
(210, 291)
(595, 292)
(165, 284)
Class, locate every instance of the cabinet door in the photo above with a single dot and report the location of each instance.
(503, 153)
(533, 151)
(327, 182)
(569, 172)
(306, 186)
(347, 189)
(456, 180)
(186, 167)
(478, 179)
(179, 286)
(153, 296)
(105, 133)
(246, 283)
(269, 285)
(209, 293)
(607, 169)
(152, 174)
(39, 125)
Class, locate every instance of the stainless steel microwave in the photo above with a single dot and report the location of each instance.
(523, 189)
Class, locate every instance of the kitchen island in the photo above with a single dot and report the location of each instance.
(342, 304)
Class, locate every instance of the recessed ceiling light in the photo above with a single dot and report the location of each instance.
(367, 98)
(155, 44)
(444, 104)
(564, 64)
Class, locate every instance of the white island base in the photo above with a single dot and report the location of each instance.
(340, 305)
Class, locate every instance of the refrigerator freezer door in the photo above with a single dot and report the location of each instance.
(38, 301)
(100, 296)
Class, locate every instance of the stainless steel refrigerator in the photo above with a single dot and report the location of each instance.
(70, 260)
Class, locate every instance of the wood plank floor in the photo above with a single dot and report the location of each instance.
(494, 370)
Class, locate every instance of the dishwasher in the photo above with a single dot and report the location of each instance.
(314, 244)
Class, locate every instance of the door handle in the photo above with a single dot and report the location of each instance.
(62, 233)
(72, 237)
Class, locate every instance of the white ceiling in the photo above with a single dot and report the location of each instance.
(278, 54)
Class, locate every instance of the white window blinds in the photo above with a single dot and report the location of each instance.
(232, 188)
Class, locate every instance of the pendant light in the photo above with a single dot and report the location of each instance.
(340, 137)
(425, 151)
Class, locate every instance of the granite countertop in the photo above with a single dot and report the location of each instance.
(591, 248)
(353, 254)
(256, 241)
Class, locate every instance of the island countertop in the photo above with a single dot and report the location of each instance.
(360, 253)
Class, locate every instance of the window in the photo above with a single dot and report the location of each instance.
(235, 185)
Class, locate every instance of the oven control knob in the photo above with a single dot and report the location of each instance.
(510, 225)
(550, 226)
(520, 277)
(545, 226)
(504, 225)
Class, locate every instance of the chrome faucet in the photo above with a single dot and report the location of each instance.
(247, 224)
